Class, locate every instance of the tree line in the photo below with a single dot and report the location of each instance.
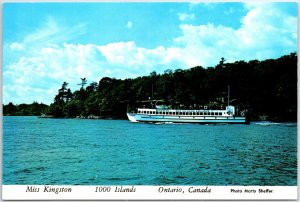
(34, 109)
(265, 89)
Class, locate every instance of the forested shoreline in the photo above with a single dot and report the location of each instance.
(266, 89)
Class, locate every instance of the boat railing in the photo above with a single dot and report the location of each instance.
(184, 112)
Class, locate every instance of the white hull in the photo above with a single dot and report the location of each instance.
(133, 117)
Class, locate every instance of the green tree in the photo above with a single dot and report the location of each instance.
(83, 82)
(263, 87)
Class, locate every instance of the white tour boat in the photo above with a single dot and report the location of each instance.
(162, 113)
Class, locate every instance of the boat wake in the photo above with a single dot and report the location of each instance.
(160, 123)
(266, 123)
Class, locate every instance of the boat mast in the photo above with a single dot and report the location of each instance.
(152, 92)
(228, 95)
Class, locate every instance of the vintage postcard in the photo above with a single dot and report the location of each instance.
(149, 100)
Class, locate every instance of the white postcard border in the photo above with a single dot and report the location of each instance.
(60, 192)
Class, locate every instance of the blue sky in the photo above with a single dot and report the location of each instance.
(45, 44)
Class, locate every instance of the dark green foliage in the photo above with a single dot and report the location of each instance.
(265, 88)
(34, 109)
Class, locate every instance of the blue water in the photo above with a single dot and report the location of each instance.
(117, 152)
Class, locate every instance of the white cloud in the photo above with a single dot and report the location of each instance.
(26, 94)
(52, 65)
(185, 16)
(129, 25)
(266, 32)
(17, 46)
(50, 59)
(55, 64)
(129, 55)
(40, 60)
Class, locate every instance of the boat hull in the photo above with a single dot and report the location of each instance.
(133, 117)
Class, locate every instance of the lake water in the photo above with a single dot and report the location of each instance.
(118, 152)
